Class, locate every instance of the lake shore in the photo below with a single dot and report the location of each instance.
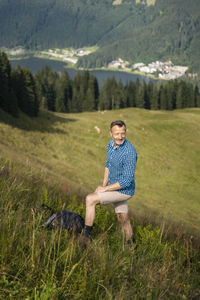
(35, 64)
(157, 70)
(24, 54)
(136, 72)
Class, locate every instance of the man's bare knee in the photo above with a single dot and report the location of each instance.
(92, 199)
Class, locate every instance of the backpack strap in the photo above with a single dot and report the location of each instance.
(48, 222)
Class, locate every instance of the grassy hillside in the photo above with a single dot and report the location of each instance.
(39, 264)
(66, 150)
(55, 159)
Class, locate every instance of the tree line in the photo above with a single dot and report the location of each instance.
(62, 94)
(21, 90)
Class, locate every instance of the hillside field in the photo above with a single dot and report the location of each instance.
(67, 151)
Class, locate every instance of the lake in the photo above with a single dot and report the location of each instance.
(35, 64)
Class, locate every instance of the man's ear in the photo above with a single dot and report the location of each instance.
(110, 133)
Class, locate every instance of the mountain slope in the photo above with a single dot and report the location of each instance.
(167, 31)
(130, 30)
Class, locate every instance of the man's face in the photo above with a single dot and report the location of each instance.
(118, 135)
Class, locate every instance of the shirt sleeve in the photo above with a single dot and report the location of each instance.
(128, 172)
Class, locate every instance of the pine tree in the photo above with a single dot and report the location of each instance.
(108, 98)
(59, 105)
(88, 103)
(8, 100)
(31, 94)
(179, 99)
(19, 87)
(5, 71)
(140, 94)
(50, 98)
(94, 87)
(76, 105)
(64, 93)
(185, 95)
(198, 101)
(85, 76)
(163, 98)
(174, 84)
(169, 94)
(150, 91)
(89, 92)
(146, 96)
(111, 90)
(46, 80)
(26, 93)
(131, 94)
(155, 98)
(121, 95)
(104, 102)
(196, 96)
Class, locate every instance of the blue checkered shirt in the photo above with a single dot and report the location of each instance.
(121, 162)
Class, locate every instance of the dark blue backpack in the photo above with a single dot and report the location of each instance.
(64, 219)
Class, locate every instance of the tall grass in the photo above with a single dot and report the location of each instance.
(39, 264)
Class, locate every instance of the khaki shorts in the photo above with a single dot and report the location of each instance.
(118, 199)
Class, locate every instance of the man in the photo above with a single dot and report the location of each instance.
(118, 182)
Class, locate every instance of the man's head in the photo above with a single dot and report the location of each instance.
(118, 132)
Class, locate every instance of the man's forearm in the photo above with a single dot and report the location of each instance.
(105, 187)
(113, 187)
(105, 177)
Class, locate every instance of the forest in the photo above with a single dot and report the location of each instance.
(23, 91)
(132, 30)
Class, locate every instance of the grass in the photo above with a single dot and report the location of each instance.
(41, 264)
(66, 150)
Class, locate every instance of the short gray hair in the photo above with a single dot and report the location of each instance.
(119, 123)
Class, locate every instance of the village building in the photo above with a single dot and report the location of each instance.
(165, 70)
(145, 69)
(114, 64)
(118, 64)
(138, 65)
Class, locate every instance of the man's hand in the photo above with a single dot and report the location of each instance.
(101, 189)
(111, 187)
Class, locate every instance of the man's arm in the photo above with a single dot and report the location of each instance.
(111, 187)
(105, 187)
(105, 177)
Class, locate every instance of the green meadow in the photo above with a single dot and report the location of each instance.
(57, 159)
(67, 150)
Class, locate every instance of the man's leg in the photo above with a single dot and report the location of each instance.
(91, 201)
(124, 220)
